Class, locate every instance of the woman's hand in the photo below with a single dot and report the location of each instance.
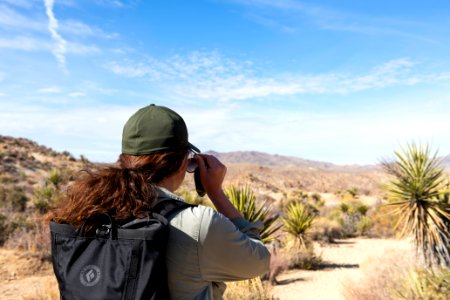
(212, 174)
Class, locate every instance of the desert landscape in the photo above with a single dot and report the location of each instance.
(351, 249)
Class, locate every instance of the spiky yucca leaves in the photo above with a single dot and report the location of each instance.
(417, 194)
(297, 221)
(245, 201)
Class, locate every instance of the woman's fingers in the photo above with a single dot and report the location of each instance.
(212, 172)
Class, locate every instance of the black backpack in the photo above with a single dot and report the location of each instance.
(114, 262)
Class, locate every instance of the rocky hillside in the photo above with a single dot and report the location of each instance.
(26, 164)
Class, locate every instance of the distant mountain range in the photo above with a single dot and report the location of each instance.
(446, 162)
(280, 161)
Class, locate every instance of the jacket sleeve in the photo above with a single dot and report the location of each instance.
(230, 250)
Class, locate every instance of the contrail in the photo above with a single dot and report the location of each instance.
(59, 48)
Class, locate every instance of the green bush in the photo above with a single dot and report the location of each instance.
(326, 230)
(297, 222)
(245, 201)
(364, 225)
(44, 198)
(55, 177)
(416, 194)
(13, 197)
(84, 159)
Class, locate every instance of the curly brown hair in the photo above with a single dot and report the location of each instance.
(125, 190)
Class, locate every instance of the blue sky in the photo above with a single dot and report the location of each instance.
(338, 81)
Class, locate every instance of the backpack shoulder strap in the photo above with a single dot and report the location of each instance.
(161, 211)
(168, 208)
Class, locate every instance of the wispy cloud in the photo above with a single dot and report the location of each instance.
(20, 3)
(212, 76)
(290, 14)
(12, 19)
(59, 49)
(79, 28)
(50, 90)
(117, 3)
(76, 94)
(25, 43)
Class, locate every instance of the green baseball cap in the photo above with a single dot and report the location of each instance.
(155, 128)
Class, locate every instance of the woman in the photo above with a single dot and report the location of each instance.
(205, 247)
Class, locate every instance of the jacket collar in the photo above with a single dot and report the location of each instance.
(165, 194)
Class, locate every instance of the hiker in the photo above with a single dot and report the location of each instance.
(205, 247)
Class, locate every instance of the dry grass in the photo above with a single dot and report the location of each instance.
(46, 289)
(399, 276)
(253, 289)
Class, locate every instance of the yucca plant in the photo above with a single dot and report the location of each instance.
(245, 201)
(297, 221)
(417, 195)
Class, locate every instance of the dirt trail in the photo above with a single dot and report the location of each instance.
(343, 261)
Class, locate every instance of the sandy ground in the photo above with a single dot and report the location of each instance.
(26, 278)
(342, 261)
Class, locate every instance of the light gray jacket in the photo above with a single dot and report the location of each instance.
(205, 249)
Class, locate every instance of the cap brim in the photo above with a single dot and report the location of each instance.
(195, 149)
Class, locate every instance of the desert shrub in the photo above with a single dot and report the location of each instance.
(66, 154)
(297, 222)
(305, 259)
(35, 237)
(44, 198)
(55, 177)
(318, 200)
(421, 283)
(245, 201)
(415, 195)
(363, 226)
(361, 208)
(326, 230)
(349, 224)
(345, 207)
(253, 289)
(382, 222)
(351, 217)
(13, 197)
(354, 192)
(84, 159)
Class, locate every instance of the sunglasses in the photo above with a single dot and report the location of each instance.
(192, 163)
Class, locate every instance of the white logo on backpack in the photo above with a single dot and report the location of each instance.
(90, 275)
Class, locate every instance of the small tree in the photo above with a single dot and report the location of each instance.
(298, 221)
(417, 193)
(245, 201)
